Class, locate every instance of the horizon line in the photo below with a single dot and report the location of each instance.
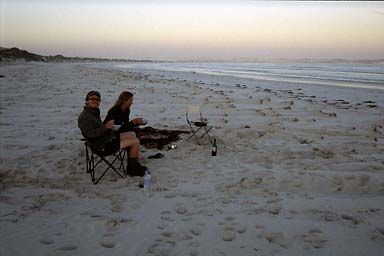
(207, 59)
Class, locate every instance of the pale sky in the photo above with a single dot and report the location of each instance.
(195, 29)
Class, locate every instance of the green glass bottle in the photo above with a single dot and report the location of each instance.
(214, 148)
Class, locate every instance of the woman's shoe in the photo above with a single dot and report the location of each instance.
(135, 168)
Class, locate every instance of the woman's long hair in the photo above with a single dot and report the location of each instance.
(124, 96)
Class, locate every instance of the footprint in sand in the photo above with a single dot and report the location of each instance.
(169, 234)
(194, 253)
(47, 240)
(112, 225)
(194, 244)
(186, 218)
(161, 247)
(166, 216)
(185, 236)
(108, 241)
(228, 235)
(197, 229)
(378, 235)
(181, 210)
(327, 216)
(117, 207)
(353, 221)
(117, 201)
(273, 208)
(240, 228)
(229, 218)
(314, 239)
(277, 238)
(162, 226)
(68, 247)
(173, 183)
(130, 222)
(225, 200)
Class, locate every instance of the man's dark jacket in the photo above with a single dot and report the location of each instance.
(93, 129)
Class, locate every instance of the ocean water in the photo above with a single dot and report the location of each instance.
(370, 76)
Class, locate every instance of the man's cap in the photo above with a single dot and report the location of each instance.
(93, 93)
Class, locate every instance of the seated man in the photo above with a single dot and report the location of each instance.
(102, 135)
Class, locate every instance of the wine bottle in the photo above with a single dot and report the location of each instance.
(214, 148)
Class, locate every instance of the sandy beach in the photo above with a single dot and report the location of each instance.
(299, 170)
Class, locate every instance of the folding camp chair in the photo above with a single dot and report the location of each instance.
(198, 124)
(95, 158)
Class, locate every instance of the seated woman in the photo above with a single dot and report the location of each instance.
(119, 114)
(102, 135)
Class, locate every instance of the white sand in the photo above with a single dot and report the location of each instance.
(298, 171)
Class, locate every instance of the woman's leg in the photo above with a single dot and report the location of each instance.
(128, 135)
(128, 139)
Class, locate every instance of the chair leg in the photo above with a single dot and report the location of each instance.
(110, 166)
(194, 134)
(122, 154)
(92, 169)
(87, 159)
(93, 160)
(207, 129)
(206, 132)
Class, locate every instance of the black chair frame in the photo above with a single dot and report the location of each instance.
(96, 157)
(200, 125)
